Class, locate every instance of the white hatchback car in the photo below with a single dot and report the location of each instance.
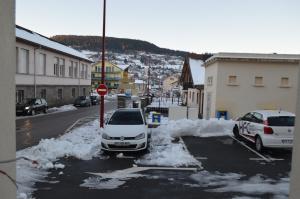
(126, 130)
(266, 128)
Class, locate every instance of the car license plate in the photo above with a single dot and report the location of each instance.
(122, 143)
(287, 141)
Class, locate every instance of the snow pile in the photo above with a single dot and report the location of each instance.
(82, 143)
(64, 108)
(198, 128)
(231, 182)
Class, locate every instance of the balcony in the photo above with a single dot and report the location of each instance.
(106, 78)
(187, 85)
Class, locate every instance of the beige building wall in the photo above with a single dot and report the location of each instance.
(210, 88)
(7, 99)
(240, 87)
(168, 83)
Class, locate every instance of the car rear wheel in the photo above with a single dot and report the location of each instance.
(46, 110)
(259, 144)
(236, 132)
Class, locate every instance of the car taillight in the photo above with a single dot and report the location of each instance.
(268, 130)
(266, 122)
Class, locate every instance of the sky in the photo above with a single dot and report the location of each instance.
(254, 26)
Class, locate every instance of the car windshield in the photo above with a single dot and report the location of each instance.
(281, 121)
(93, 97)
(28, 101)
(126, 118)
(81, 98)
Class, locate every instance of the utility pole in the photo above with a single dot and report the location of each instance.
(103, 66)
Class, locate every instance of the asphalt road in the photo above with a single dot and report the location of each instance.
(30, 130)
(217, 155)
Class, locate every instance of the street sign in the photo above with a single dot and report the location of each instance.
(102, 90)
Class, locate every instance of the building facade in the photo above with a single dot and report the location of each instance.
(49, 70)
(237, 83)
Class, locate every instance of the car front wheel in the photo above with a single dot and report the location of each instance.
(236, 132)
(259, 144)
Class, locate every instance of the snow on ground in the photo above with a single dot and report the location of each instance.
(82, 143)
(64, 108)
(232, 182)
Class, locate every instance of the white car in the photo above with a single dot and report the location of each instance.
(266, 128)
(126, 130)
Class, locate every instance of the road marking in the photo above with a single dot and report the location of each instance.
(249, 148)
(135, 169)
(272, 159)
(201, 158)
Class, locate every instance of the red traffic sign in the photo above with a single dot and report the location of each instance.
(102, 90)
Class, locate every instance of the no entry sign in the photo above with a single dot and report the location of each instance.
(102, 90)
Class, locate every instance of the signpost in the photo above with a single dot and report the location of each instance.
(103, 67)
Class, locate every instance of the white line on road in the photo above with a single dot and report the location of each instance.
(201, 158)
(258, 154)
(272, 159)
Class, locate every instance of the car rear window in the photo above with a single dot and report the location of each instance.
(281, 121)
(126, 118)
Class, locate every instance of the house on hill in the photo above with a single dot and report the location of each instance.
(48, 69)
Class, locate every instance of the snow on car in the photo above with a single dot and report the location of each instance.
(266, 128)
(126, 130)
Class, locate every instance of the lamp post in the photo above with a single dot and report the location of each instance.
(103, 66)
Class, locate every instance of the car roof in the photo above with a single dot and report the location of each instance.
(128, 110)
(272, 113)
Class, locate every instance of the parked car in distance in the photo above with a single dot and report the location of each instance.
(95, 99)
(126, 130)
(31, 106)
(82, 101)
(266, 128)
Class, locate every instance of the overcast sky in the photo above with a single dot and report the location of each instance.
(262, 26)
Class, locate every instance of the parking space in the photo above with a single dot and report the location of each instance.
(230, 170)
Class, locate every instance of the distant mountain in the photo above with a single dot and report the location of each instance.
(94, 43)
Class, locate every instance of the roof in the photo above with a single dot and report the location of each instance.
(269, 113)
(122, 66)
(197, 71)
(35, 38)
(293, 58)
(138, 81)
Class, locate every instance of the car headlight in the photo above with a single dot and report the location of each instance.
(105, 136)
(27, 107)
(140, 136)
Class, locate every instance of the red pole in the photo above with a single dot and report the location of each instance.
(103, 66)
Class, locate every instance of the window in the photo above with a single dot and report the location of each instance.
(55, 66)
(61, 67)
(108, 69)
(76, 70)
(258, 81)
(193, 96)
(17, 59)
(82, 71)
(284, 82)
(19, 96)
(59, 94)
(41, 70)
(71, 69)
(43, 94)
(197, 98)
(209, 81)
(83, 91)
(73, 92)
(190, 94)
(232, 80)
(23, 61)
(86, 72)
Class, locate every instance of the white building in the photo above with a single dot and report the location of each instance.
(241, 82)
(50, 70)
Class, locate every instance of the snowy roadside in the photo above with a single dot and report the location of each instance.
(53, 110)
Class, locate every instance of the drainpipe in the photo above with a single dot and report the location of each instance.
(78, 72)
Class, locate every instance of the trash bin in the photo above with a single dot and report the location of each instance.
(222, 114)
(121, 101)
(135, 104)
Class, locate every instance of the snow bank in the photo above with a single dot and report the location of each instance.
(64, 108)
(82, 143)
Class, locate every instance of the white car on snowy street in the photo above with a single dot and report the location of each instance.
(266, 128)
(126, 130)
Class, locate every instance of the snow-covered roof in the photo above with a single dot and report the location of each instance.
(138, 81)
(38, 39)
(197, 70)
(253, 56)
(123, 66)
